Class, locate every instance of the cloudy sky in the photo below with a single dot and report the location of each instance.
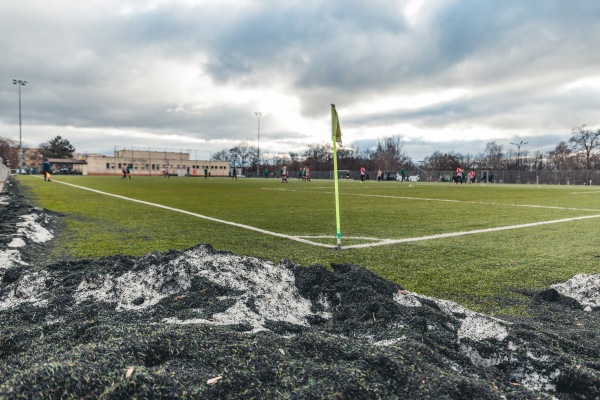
(447, 75)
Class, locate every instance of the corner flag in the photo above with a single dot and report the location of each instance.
(336, 132)
(336, 137)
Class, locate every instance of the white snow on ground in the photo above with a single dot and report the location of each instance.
(25, 291)
(536, 382)
(584, 288)
(269, 288)
(31, 229)
(17, 242)
(473, 325)
(10, 257)
(478, 327)
(479, 360)
(135, 290)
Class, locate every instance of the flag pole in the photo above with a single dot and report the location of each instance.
(336, 136)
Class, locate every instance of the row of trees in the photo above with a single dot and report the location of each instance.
(388, 155)
(581, 152)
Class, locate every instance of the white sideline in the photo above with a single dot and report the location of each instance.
(302, 239)
(222, 221)
(449, 200)
(454, 234)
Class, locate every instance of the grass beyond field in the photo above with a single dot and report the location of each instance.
(465, 259)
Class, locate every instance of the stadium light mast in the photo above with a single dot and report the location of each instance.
(258, 115)
(20, 83)
(518, 151)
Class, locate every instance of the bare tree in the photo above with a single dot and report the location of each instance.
(560, 157)
(443, 161)
(318, 156)
(349, 157)
(585, 141)
(222, 155)
(493, 156)
(243, 152)
(389, 154)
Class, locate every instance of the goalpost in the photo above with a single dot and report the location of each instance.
(344, 174)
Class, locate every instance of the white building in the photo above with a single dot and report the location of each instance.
(154, 163)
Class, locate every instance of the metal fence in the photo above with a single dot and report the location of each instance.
(542, 177)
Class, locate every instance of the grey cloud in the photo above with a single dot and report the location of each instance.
(89, 65)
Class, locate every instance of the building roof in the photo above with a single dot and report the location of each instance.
(66, 161)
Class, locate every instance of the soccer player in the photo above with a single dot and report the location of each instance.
(46, 168)
(459, 175)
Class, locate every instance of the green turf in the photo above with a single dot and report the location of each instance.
(485, 271)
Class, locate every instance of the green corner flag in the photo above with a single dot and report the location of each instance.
(336, 137)
(336, 132)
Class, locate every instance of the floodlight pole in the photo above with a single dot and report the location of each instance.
(20, 83)
(258, 114)
(518, 151)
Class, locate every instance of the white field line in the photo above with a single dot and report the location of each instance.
(384, 242)
(448, 201)
(302, 239)
(252, 228)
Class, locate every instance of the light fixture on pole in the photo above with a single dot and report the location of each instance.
(518, 151)
(258, 114)
(20, 83)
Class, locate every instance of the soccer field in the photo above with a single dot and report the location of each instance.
(480, 245)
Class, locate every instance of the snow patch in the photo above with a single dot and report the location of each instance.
(583, 288)
(389, 342)
(8, 258)
(479, 327)
(474, 326)
(17, 242)
(269, 289)
(32, 229)
(478, 360)
(535, 381)
(24, 291)
(135, 290)
(406, 299)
